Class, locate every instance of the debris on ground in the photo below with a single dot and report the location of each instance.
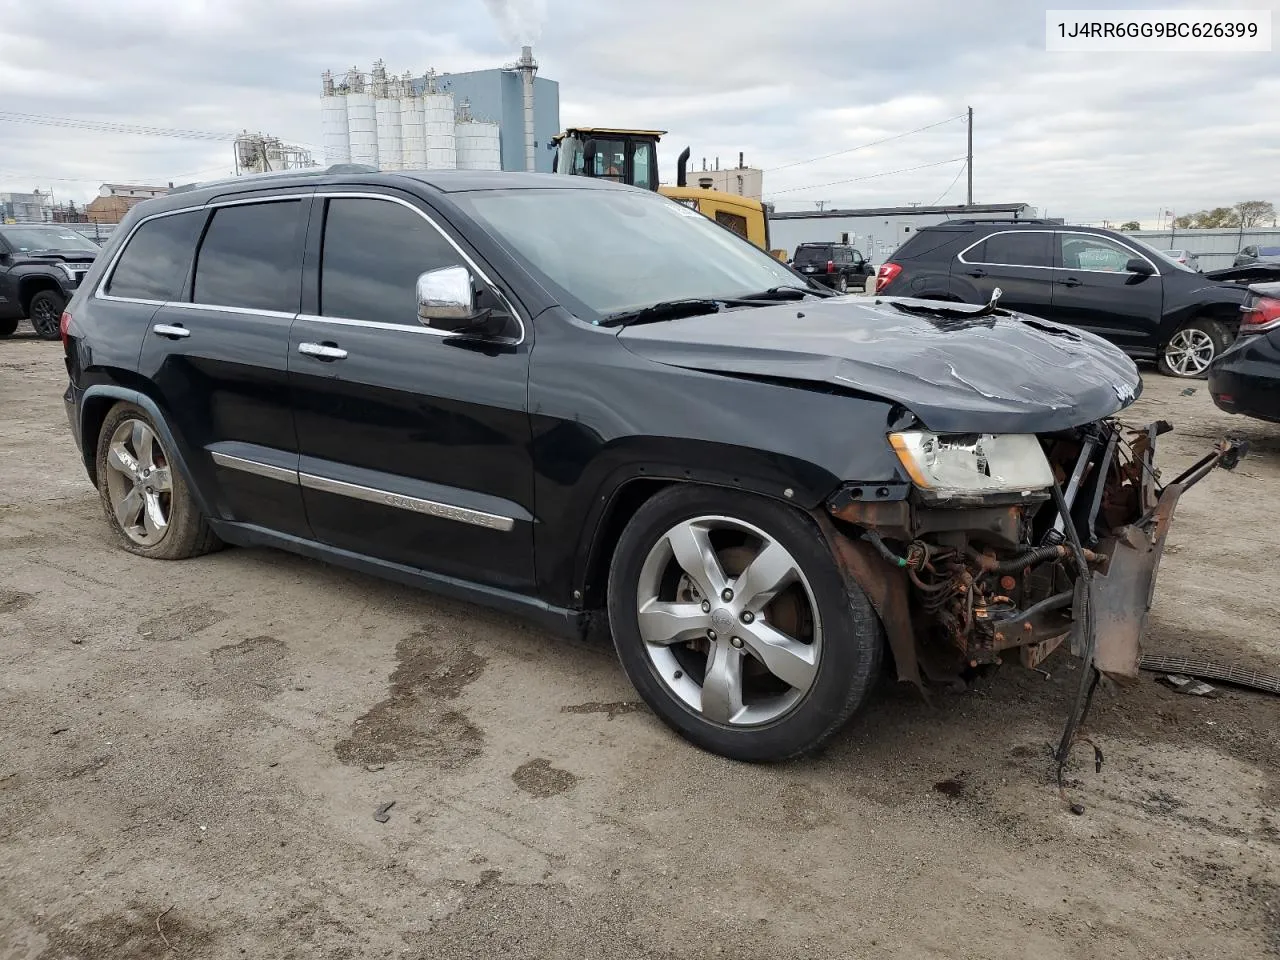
(1189, 685)
(1210, 670)
(381, 814)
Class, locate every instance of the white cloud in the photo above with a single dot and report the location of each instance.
(1084, 135)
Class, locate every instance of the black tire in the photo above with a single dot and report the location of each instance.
(852, 644)
(188, 534)
(8, 326)
(1218, 337)
(45, 314)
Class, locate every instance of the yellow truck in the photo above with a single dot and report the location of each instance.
(631, 157)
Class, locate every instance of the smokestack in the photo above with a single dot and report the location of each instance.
(528, 67)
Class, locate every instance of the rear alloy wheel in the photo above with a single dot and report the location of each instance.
(1193, 347)
(144, 495)
(842, 284)
(46, 313)
(734, 623)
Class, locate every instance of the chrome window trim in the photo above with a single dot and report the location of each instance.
(254, 311)
(255, 467)
(1014, 266)
(1137, 253)
(1028, 266)
(385, 498)
(379, 325)
(322, 193)
(100, 292)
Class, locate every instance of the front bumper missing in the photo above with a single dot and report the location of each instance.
(960, 588)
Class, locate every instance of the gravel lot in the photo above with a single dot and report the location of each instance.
(192, 755)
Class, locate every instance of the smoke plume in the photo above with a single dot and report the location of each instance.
(519, 21)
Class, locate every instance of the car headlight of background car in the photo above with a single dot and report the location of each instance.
(973, 464)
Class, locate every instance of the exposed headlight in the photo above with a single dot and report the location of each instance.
(68, 270)
(951, 465)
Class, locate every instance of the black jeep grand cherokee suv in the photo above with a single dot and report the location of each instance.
(1149, 305)
(587, 404)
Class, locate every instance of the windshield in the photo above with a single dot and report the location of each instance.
(608, 251)
(28, 239)
(1165, 259)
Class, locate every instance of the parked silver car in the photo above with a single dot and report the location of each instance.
(1256, 254)
(1184, 257)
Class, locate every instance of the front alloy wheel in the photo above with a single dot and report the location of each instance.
(732, 619)
(732, 631)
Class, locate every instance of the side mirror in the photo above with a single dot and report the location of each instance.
(447, 301)
(1139, 266)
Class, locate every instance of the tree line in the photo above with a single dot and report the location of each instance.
(1246, 213)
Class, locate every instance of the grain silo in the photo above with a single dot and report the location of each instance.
(333, 123)
(438, 111)
(362, 123)
(479, 142)
(413, 126)
(386, 109)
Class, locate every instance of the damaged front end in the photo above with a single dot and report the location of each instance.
(962, 578)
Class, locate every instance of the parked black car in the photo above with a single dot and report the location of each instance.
(1246, 378)
(576, 401)
(835, 265)
(1110, 284)
(41, 265)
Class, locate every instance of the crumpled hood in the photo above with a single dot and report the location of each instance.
(997, 373)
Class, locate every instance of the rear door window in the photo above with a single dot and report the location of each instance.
(251, 257)
(154, 264)
(1014, 250)
(373, 253)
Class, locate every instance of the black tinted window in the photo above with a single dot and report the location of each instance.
(374, 252)
(251, 257)
(813, 253)
(154, 264)
(1015, 250)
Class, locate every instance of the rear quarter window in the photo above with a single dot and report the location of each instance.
(156, 258)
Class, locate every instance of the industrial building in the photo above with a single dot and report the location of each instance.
(878, 231)
(500, 119)
(114, 200)
(34, 206)
(741, 180)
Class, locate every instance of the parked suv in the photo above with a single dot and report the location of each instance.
(41, 265)
(836, 265)
(581, 402)
(1112, 285)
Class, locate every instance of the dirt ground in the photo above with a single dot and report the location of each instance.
(192, 754)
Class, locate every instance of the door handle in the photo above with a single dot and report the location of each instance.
(322, 351)
(170, 330)
(1070, 282)
(977, 273)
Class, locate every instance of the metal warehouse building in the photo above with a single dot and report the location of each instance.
(878, 231)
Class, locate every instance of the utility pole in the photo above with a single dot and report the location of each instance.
(821, 204)
(969, 162)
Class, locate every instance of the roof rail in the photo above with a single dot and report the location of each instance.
(303, 172)
(1000, 220)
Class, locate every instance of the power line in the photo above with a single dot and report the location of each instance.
(870, 176)
(110, 126)
(863, 146)
(952, 184)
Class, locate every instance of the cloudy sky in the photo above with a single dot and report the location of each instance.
(1085, 136)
